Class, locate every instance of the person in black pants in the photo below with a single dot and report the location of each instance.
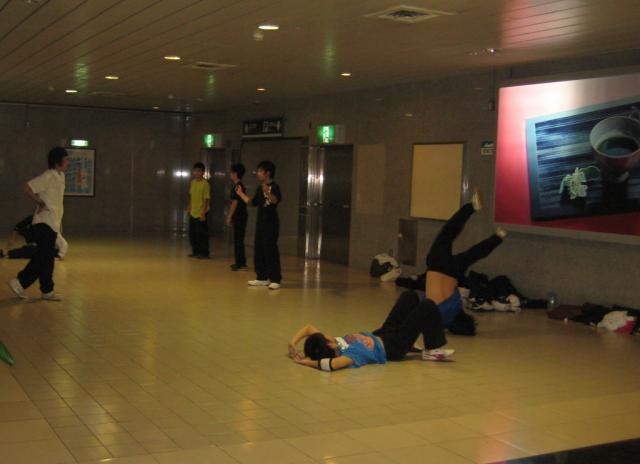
(47, 191)
(237, 217)
(199, 203)
(266, 255)
(445, 270)
(408, 318)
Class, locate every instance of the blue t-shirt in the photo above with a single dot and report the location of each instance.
(363, 348)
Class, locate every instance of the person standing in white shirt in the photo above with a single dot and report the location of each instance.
(47, 191)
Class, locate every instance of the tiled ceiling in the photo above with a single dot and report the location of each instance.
(48, 46)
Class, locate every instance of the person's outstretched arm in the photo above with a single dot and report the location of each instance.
(301, 334)
(326, 364)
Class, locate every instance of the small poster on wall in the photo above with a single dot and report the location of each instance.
(81, 173)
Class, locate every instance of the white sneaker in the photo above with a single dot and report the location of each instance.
(51, 296)
(274, 286)
(258, 283)
(17, 289)
(439, 354)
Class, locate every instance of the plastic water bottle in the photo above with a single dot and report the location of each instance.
(551, 301)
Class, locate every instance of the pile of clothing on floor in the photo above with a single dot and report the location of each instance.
(385, 267)
(615, 318)
(481, 294)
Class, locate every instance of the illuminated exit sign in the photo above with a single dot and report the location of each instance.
(209, 140)
(326, 134)
(330, 134)
(79, 143)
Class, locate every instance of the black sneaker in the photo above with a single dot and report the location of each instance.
(235, 268)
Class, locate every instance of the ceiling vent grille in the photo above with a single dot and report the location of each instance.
(107, 94)
(207, 66)
(407, 14)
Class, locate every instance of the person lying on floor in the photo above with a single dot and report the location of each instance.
(408, 318)
(445, 270)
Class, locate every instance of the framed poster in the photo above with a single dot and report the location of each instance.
(436, 180)
(568, 157)
(81, 173)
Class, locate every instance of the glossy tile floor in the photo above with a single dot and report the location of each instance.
(157, 358)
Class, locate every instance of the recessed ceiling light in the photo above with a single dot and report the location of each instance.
(172, 58)
(156, 108)
(269, 27)
(408, 115)
(345, 74)
(71, 91)
(112, 78)
(261, 89)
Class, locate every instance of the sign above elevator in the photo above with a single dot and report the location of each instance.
(263, 128)
(330, 134)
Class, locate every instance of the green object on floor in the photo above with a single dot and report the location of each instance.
(5, 355)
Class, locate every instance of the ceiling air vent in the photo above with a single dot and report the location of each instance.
(207, 66)
(407, 14)
(107, 94)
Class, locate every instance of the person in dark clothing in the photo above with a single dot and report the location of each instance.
(237, 217)
(266, 254)
(408, 318)
(445, 270)
(47, 191)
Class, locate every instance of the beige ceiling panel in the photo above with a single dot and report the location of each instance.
(13, 13)
(317, 41)
(75, 42)
(18, 50)
(526, 8)
(38, 23)
(147, 45)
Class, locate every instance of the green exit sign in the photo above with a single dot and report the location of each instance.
(326, 134)
(209, 140)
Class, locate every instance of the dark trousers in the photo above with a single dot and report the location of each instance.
(40, 267)
(24, 252)
(409, 318)
(266, 256)
(199, 236)
(441, 258)
(239, 229)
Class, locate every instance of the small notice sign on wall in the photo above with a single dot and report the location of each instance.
(488, 148)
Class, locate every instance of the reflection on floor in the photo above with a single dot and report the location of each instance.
(624, 452)
(157, 358)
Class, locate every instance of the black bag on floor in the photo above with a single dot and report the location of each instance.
(463, 324)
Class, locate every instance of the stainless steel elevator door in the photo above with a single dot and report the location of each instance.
(336, 203)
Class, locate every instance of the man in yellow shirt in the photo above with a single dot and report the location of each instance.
(199, 200)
